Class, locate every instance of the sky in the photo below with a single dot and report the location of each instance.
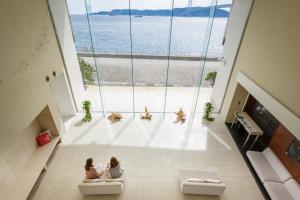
(78, 6)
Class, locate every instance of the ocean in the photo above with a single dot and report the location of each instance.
(150, 35)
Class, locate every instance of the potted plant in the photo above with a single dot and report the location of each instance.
(86, 106)
(208, 112)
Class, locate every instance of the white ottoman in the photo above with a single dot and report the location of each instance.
(205, 188)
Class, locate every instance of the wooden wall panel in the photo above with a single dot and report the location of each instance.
(279, 144)
(263, 118)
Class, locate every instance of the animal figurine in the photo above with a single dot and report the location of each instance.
(146, 115)
(115, 117)
(180, 116)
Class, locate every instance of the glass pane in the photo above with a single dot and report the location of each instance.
(83, 43)
(214, 53)
(186, 63)
(111, 40)
(80, 25)
(91, 82)
(150, 36)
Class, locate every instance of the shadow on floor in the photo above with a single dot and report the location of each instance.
(154, 131)
(122, 129)
(94, 123)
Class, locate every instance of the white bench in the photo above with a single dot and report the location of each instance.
(200, 188)
(101, 186)
(276, 179)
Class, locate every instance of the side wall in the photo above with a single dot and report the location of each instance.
(269, 54)
(29, 53)
(63, 28)
(236, 24)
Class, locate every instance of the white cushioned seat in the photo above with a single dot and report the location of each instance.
(262, 166)
(277, 191)
(105, 186)
(277, 180)
(94, 180)
(198, 187)
(293, 187)
(101, 188)
(277, 165)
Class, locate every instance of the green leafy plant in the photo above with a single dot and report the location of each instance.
(208, 112)
(211, 76)
(86, 106)
(88, 72)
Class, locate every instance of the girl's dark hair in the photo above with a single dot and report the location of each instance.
(113, 162)
(88, 164)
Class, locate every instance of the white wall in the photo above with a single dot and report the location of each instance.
(235, 27)
(282, 114)
(29, 53)
(64, 32)
(62, 96)
(269, 55)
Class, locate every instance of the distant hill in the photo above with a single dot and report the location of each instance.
(180, 12)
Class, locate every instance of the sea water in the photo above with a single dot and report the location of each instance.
(151, 35)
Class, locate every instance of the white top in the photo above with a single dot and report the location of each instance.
(251, 127)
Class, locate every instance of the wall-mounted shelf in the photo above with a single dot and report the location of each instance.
(21, 187)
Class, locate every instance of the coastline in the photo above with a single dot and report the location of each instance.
(147, 70)
(155, 57)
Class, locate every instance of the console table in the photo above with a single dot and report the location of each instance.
(250, 126)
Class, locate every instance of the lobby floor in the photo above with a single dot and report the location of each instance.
(152, 97)
(151, 152)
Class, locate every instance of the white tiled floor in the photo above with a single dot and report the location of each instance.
(153, 97)
(151, 153)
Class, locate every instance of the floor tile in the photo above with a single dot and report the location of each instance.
(151, 154)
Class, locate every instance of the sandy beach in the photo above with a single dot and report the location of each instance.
(152, 72)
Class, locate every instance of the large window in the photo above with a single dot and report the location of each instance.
(187, 50)
(158, 54)
(150, 37)
(84, 42)
(111, 35)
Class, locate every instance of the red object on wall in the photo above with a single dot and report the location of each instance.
(43, 138)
